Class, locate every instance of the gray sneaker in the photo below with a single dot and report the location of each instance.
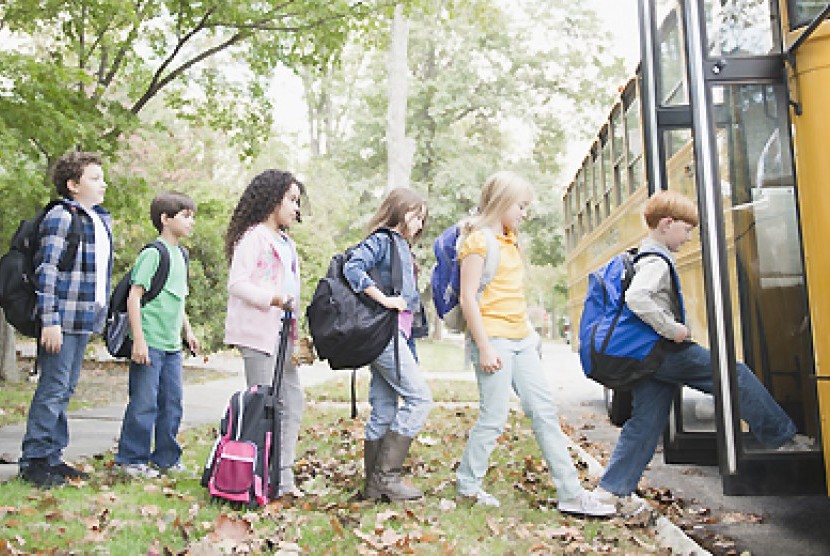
(482, 498)
(585, 503)
(139, 470)
(627, 506)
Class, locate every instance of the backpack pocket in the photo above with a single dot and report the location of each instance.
(234, 471)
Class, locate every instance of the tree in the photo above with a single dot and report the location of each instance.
(400, 148)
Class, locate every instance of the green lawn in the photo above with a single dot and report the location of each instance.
(113, 515)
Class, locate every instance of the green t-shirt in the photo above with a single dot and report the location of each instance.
(163, 317)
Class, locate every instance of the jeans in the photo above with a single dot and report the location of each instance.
(47, 431)
(259, 369)
(523, 372)
(652, 401)
(153, 412)
(386, 388)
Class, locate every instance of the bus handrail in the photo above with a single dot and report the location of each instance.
(808, 31)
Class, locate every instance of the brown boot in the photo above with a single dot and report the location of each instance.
(370, 457)
(386, 483)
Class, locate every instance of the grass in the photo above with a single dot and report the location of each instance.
(113, 515)
(338, 389)
(440, 356)
(100, 383)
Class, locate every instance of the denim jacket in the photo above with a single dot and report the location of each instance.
(374, 251)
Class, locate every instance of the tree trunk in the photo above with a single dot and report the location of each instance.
(399, 148)
(9, 371)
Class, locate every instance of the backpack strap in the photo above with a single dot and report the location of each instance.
(163, 270)
(675, 280)
(491, 259)
(73, 236)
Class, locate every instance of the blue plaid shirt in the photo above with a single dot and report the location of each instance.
(68, 298)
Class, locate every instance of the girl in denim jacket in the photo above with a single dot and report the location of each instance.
(264, 280)
(392, 425)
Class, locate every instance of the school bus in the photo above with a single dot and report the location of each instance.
(728, 107)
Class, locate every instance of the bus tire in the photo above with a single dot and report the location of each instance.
(618, 406)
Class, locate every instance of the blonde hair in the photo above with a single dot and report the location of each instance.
(669, 204)
(393, 208)
(501, 191)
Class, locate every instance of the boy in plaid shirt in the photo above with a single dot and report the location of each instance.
(72, 305)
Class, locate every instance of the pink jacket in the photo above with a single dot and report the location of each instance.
(255, 276)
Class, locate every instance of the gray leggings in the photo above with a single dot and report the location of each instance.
(259, 369)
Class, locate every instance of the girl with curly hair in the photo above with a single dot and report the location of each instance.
(263, 281)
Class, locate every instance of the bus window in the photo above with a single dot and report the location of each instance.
(680, 171)
(618, 157)
(672, 89)
(802, 12)
(610, 198)
(739, 29)
(634, 142)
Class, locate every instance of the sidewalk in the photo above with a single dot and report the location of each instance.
(95, 430)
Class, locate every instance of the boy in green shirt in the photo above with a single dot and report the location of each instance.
(155, 406)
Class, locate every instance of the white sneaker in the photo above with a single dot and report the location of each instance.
(627, 506)
(177, 468)
(139, 470)
(483, 498)
(586, 504)
(798, 443)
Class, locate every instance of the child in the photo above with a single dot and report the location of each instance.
(504, 352)
(155, 407)
(264, 280)
(671, 217)
(390, 429)
(71, 305)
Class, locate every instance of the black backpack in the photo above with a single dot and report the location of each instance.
(349, 329)
(116, 337)
(18, 295)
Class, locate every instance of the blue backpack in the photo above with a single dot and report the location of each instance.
(616, 348)
(446, 274)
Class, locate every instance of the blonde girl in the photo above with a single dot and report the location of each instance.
(503, 349)
(263, 281)
(399, 395)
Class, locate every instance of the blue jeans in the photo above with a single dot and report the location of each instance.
(155, 407)
(522, 372)
(386, 389)
(47, 431)
(652, 401)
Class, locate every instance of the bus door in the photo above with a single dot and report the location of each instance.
(717, 127)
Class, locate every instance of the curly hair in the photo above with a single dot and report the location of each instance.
(257, 202)
(71, 167)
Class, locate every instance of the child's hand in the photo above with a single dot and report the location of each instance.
(682, 333)
(193, 344)
(282, 301)
(398, 303)
(51, 338)
(141, 353)
(488, 359)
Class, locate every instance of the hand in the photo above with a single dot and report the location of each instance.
(398, 303)
(141, 353)
(284, 302)
(488, 359)
(51, 338)
(682, 333)
(192, 344)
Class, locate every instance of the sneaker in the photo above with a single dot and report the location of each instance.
(177, 468)
(482, 498)
(39, 474)
(798, 443)
(139, 470)
(586, 504)
(627, 506)
(67, 471)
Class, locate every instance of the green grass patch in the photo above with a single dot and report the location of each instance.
(440, 356)
(339, 389)
(111, 514)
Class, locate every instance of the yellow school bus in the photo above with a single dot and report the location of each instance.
(728, 107)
